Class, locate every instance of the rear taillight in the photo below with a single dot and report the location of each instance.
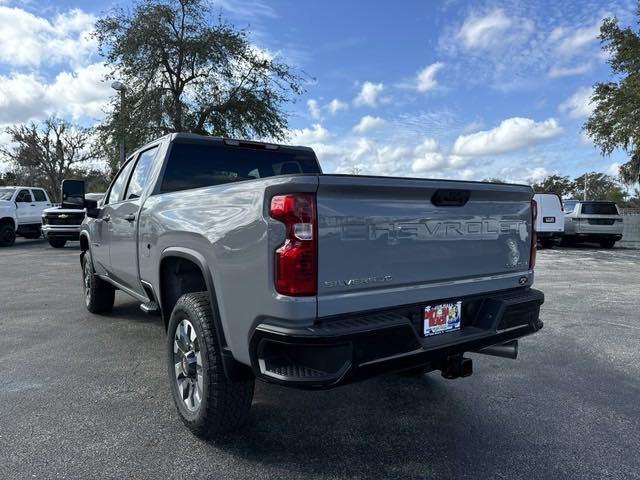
(534, 236)
(295, 261)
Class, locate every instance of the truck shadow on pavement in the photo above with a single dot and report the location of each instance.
(387, 427)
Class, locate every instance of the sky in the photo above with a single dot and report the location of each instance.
(438, 89)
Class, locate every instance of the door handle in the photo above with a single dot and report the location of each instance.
(33, 204)
(130, 218)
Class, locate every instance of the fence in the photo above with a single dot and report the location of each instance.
(631, 219)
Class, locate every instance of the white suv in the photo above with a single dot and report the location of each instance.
(592, 221)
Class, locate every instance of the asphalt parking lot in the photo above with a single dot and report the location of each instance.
(85, 396)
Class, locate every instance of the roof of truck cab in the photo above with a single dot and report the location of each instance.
(216, 139)
(589, 201)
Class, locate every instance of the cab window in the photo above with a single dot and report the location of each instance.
(23, 196)
(117, 187)
(140, 174)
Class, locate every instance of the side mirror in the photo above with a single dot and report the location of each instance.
(73, 194)
(92, 208)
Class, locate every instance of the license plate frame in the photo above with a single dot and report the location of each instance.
(441, 318)
(548, 219)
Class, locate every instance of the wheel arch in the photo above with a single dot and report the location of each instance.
(85, 245)
(176, 263)
(8, 221)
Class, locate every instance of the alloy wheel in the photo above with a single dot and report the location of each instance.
(187, 359)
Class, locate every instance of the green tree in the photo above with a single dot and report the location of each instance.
(615, 121)
(557, 184)
(44, 154)
(600, 186)
(186, 71)
(97, 181)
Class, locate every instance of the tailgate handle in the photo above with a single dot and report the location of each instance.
(450, 198)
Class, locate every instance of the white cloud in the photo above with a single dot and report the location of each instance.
(558, 71)
(613, 170)
(428, 145)
(484, 31)
(472, 126)
(368, 94)
(78, 94)
(579, 104)
(21, 97)
(82, 93)
(428, 157)
(309, 136)
(426, 77)
(569, 42)
(317, 111)
(335, 105)
(30, 40)
(512, 134)
(367, 123)
(427, 162)
(250, 9)
(536, 174)
(314, 109)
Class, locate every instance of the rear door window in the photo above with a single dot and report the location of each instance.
(196, 165)
(569, 205)
(140, 174)
(599, 209)
(39, 195)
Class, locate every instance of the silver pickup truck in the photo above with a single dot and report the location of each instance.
(263, 267)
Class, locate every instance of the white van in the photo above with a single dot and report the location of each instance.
(550, 221)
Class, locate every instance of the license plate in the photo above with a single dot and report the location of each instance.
(443, 318)
(549, 219)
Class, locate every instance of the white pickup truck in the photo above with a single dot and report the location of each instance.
(21, 213)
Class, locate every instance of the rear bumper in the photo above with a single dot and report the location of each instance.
(549, 235)
(341, 350)
(595, 237)
(63, 232)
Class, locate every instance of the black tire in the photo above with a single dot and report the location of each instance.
(98, 294)
(224, 404)
(607, 243)
(7, 235)
(57, 242)
(567, 242)
(546, 243)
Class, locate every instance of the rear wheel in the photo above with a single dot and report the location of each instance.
(207, 401)
(57, 242)
(7, 235)
(566, 242)
(546, 243)
(607, 243)
(98, 294)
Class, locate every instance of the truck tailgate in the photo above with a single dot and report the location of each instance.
(386, 242)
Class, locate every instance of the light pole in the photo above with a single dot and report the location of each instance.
(586, 182)
(120, 87)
